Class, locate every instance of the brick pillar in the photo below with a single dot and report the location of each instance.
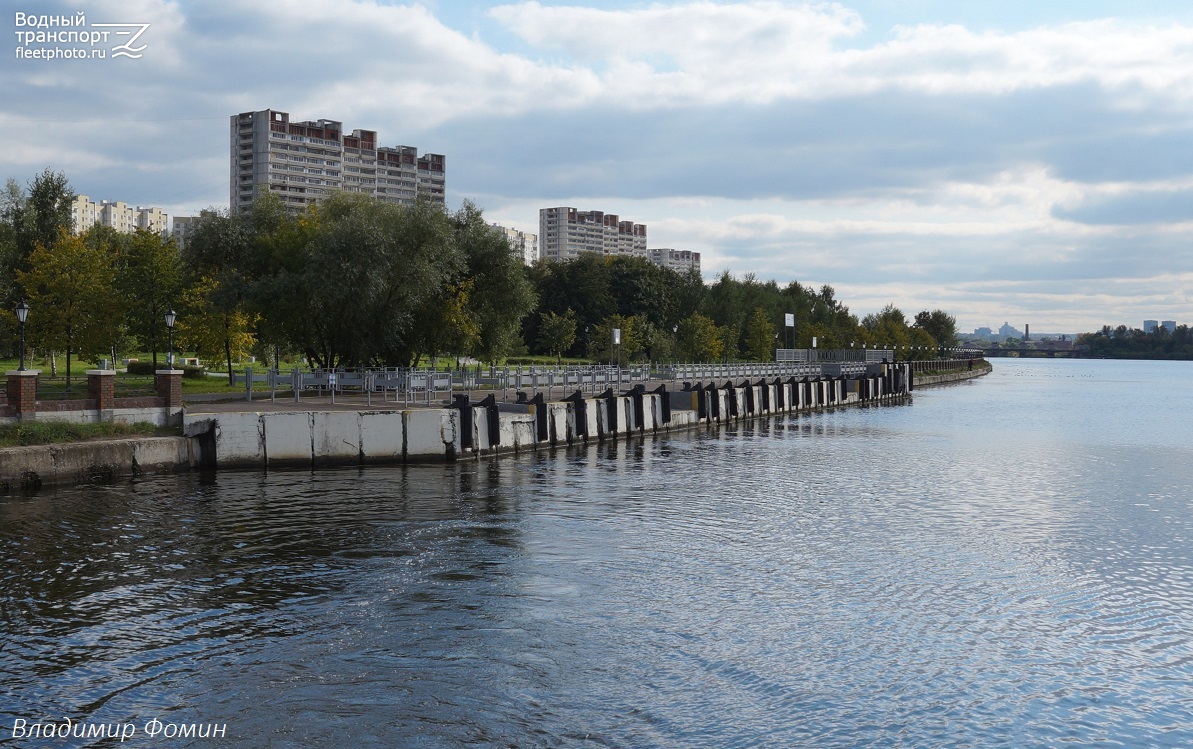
(22, 393)
(101, 385)
(168, 384)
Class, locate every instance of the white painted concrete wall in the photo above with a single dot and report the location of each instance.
(433, 434)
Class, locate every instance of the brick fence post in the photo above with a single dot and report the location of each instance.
(101, 385)
(168, 384)
(22, 393)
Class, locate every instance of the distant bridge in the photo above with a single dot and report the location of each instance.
(1028, 352)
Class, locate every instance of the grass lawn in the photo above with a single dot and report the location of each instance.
(53, 432)
(126, 384)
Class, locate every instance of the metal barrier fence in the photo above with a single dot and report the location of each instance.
(408, 386)
(810, 355)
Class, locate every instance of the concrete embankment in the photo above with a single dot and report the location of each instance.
(928, 380)
(98, 461)
(467, 430)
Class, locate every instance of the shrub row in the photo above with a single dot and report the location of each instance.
(146, 368)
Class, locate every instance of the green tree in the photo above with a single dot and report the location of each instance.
(700, 340)
(71, 286)
(557, 333)
(760, 337)
(12, 212)
(149, 279)
(886, 328)
(207, 327)
(218, 276)
(600, 344)
(500, 293)
(48, 209)
(922, 345)
(940, 325)
(30, 219)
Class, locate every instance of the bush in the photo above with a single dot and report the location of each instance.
(146, 368)
(516, 361)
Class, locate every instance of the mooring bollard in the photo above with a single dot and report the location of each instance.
(464, 406)
(579, 413)
(539, 404)
(636, 394)
(732, 393)
(714, 396)
(494, 421)
(664, 402)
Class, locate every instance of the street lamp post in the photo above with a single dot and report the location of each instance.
(22, 316)
(171, 315)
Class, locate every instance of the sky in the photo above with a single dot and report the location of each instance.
(1019, 162)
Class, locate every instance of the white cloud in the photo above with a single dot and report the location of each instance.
(779, 138)
(764, 51)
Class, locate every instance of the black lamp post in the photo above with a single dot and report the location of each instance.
(22, 316)
(171, 315)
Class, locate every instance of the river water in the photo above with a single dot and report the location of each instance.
(1003, 562)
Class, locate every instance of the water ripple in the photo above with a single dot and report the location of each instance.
(955, 572)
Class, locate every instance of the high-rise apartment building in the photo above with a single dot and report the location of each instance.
(566, 232)
(302, 162)
(525, 243)
(182, 228)
(86, 213)
(680, 261)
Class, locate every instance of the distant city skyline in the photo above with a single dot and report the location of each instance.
(1029, 162)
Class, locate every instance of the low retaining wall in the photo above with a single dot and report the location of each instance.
(922, 380)
(100, 461)
(21, 402)
(470, 430)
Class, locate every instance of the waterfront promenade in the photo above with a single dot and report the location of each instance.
(364, 429)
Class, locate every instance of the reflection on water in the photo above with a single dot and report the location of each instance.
(1000, 563)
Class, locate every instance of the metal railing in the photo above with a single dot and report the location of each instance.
(409, 385)
(810, 355)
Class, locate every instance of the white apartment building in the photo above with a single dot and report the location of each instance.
(302, 162)
(566, 232)
(525, 243)
(86, 213)
(680, 261)
(1149, 326)
(182, 228)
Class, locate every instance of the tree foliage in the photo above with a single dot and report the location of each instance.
(209, 329)
(939, 325)
(557, 333)
(633, 339)
(356, 281)
(149, 280)
(760, 337)
(745, 312)
(700, 340)
(1132, 343)
(70, 288)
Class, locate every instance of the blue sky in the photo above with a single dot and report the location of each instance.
(1021, 162)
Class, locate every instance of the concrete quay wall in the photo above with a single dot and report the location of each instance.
(311, 438)
(923, 380)
(265, 439)
(24, 469)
